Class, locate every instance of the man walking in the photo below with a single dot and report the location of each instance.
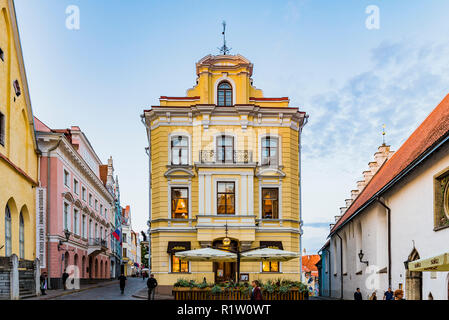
(256, 293)
(358, 295)
(151, 284)
(389, 295)
(65, 276)
(43, 279)
(122, 280)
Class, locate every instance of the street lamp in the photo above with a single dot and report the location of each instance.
(67, 236)
(226, 240)
(361, 257)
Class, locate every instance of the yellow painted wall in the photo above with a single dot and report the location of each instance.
(203, 139)
(15, 189)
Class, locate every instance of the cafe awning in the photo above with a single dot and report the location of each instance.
(269, 254)
(206, 254)
(437, 263)
(177, 246)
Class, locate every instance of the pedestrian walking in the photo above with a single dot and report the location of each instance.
(373, 296)
(43, 281)
(65, 276)
(122, 280)
(151, 284)
(256, 293)
(358, 295)
(399, 295)
(389, 294)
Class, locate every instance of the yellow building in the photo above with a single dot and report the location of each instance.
(225, 160)
(18, 157)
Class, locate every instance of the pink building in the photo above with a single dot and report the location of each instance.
(78, 207)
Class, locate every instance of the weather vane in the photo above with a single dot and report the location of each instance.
(224, 50)
(383, 134)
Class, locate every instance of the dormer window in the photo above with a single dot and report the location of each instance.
(224, 94)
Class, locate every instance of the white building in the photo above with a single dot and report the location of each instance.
(399, 213)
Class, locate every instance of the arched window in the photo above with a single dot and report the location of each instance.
(224, 93)
(7, 231)
(22, 237)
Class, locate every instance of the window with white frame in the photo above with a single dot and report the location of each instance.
(90, 199)
(225, 149)
(101, 210)
(66, 216)
(21, 237)
(8, 236)
(179, 150)
(180, 203)
(83, 226)
(66, 178)
(83, 193)
(76, 221)
(270, 151)
(96, 204)
(96, 231)
(270, 203)
(225, 197)
(75, 186)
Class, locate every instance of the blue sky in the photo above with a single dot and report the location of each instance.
(349, 79)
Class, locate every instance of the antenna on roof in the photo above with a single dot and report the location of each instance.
(224, 50)
(383, 134)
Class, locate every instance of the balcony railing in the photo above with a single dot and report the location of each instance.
(98, 242)
(233, 157)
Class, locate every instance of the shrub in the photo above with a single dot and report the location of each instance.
(183, 283)
(216, 289)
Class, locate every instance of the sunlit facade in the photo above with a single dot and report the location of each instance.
(224, 162)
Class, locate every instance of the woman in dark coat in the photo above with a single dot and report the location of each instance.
(122, 280)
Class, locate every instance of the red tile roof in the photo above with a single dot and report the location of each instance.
(434, 128)
(309, 263)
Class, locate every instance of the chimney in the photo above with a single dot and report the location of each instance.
(354, 194)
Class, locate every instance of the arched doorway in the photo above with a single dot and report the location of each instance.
(225, 271)
(83, 267)
(96, 269)
(413, 280)
(101, 270)
(91, 270)
(66, 260)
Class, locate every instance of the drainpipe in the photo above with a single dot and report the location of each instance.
(148, 151)
(341, 265)
(389, 237)
(48, 210)
(306, 120)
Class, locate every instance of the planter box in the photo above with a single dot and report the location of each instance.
(180, 293)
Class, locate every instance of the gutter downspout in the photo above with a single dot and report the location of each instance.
(378, 199)
(48, 209)
(341, 265)
(148, 151)
(306, 120)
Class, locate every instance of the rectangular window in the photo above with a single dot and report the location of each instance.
(83, 227)
(180, 203)
(96, 204)
(75, 186)
(96, 231)
(83, 193)
(66, 178)
(270, 266)
(270, 151)
(225, 197)
(179, 150)
(124, 252)
(124, 238)
(101, 210)
(66, 216)
(76, 221)
(2, 129)
(225, 149)
(178, 265)
(91, 231)
(270, 203)
(90, 199)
